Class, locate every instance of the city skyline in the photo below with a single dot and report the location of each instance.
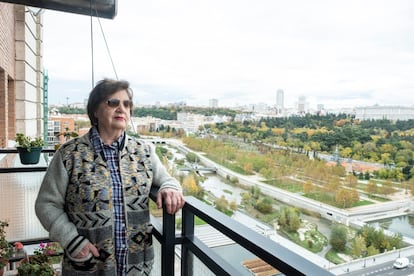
(338, 54)
(272, 107)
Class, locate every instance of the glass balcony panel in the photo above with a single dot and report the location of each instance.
(18, 192)
(156, 269)
(200, 268)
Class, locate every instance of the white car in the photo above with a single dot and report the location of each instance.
(401, 262)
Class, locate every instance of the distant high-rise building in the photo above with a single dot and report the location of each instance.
(213, 103)
(302, 105)
(279, 101)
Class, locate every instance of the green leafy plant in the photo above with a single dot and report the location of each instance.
(28, 142)
(6, 249)
(40, 263)
(53, 250)
(29, 269)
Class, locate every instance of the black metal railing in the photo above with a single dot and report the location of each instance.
(24, 168)
(278, 256)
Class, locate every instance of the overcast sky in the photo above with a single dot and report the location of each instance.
(336, 53)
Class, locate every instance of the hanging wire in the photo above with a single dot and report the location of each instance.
(92, 53)
(106, 44)
(107, 49)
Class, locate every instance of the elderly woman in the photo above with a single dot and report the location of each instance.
(94, 197)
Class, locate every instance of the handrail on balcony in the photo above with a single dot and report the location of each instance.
(280, 257)
(24, 168)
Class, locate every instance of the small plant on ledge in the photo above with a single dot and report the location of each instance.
(28, 142)
(29, 148)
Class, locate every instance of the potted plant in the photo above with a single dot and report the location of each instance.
(41, 262)
(53, 250)
(38, 264)
(6, 249)
(29, 148)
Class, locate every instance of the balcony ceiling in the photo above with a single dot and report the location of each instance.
(104, 8)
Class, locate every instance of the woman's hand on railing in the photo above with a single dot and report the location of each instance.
(173, 200)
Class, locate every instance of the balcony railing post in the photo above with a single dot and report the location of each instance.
(187, 259)
(168, 245)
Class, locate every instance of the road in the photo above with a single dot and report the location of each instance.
(384, 269)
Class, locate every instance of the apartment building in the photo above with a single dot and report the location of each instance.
(392, 113)
(21, 77)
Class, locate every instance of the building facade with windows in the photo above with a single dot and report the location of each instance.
(21, 76)
(392, 113)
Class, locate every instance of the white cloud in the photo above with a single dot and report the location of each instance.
(241, 51)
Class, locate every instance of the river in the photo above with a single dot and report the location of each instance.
(402, 224)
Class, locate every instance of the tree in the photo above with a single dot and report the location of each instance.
(248, 168)
(396, 240)
(289, 219)
(351, 180)
(255, 191)
(386, 188)
(191, 157)
(343, 198)
(246, 198)
(338, 237)
(385, 158)
(294, 222)
(334, 183)
(191, 187)
(358, 246)
(307, 187)
(355, 196)
(372, 251)
(221, 204)
(233, 205)
(282, 220)
(378, 239)
(346, 152)
(264, 205)
(371, 187)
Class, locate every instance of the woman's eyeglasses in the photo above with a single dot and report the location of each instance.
(114, 103)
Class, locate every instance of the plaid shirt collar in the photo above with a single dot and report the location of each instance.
(99, 145)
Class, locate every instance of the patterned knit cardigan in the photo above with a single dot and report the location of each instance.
(75, 204)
